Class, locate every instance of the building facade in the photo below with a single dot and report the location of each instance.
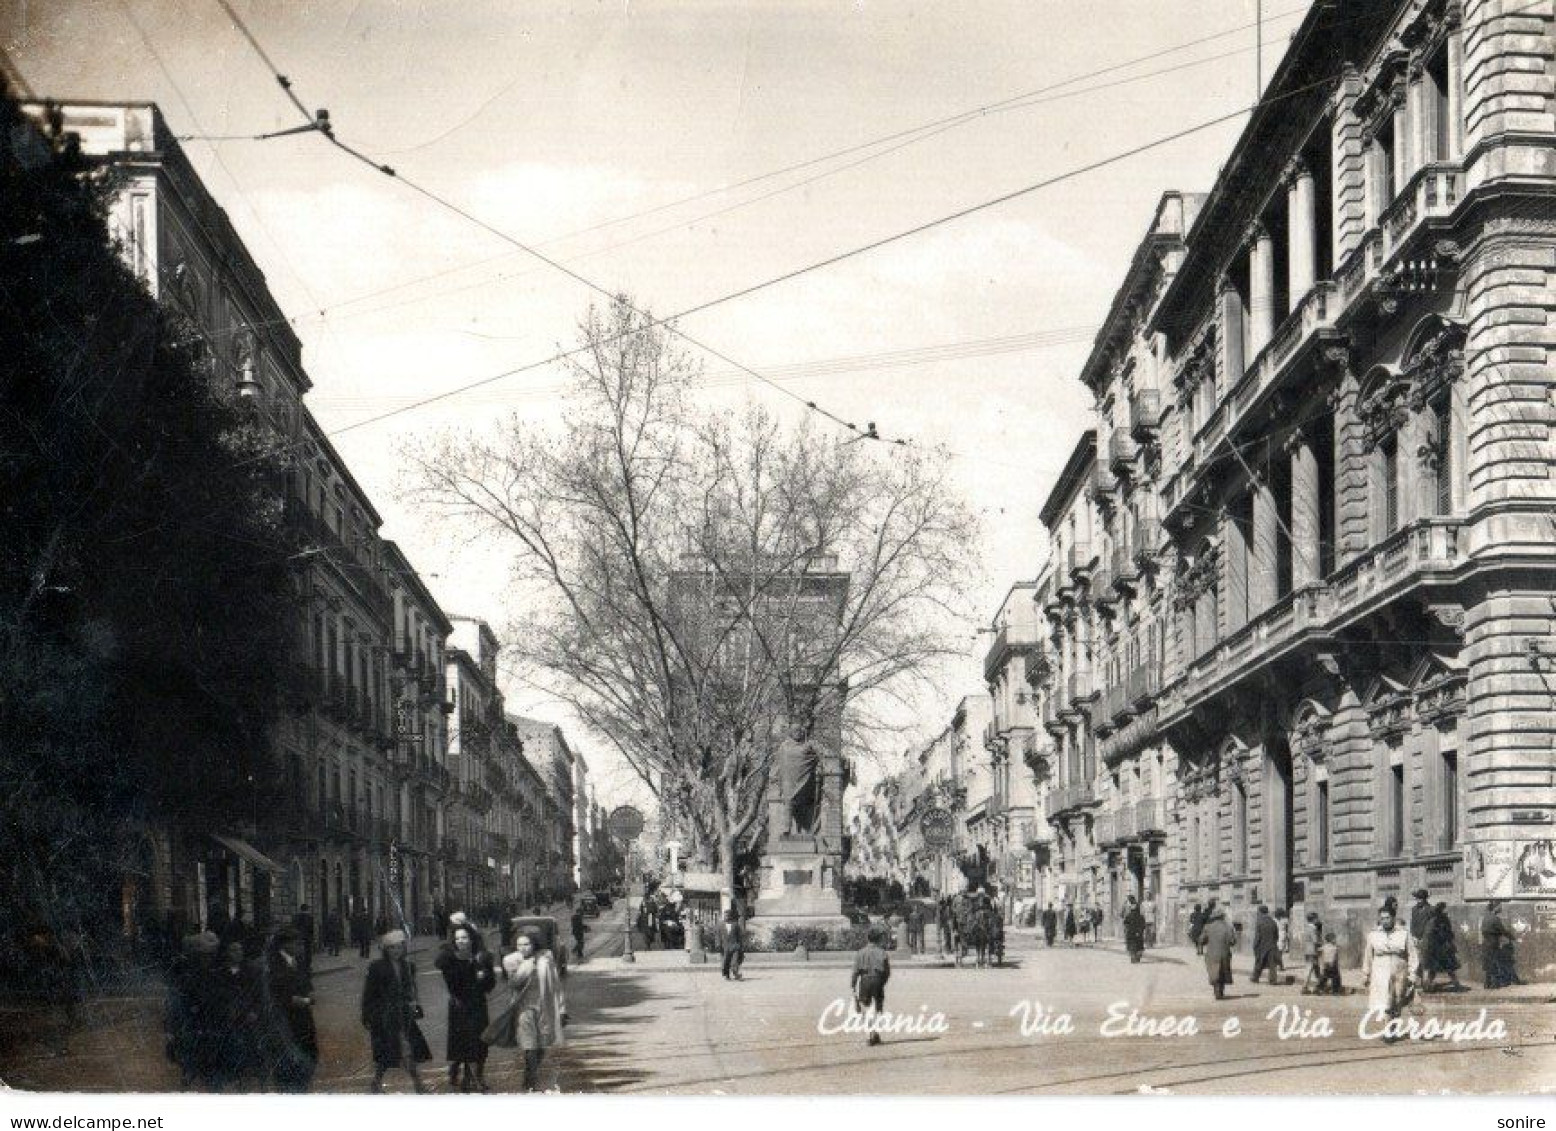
(1301, 597)
(1011, 835)
(360, 729)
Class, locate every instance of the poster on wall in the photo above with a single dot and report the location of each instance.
(1502, 869)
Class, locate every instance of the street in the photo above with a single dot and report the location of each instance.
(660, 1026)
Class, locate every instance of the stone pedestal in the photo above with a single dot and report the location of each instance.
(802, 873)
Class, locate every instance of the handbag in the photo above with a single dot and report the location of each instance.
(503, 1030)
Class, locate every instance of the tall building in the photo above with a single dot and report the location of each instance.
(1302, 621)
(360, 731)
(1009, 829)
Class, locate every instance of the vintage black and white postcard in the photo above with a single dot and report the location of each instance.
(727, 547)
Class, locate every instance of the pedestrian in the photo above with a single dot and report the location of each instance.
(1266, 943)
(1420, 917)
(1134, 930)
(302, 923)
(1050, 924)
(236, 1006)
(1329, 966)
(1388, 961)
(1069, 924)
(187, 1018)
(1496, 949)
(289, 981)
(332, 932)
(580, 928)
(459, 921)
(915, 921)
(1440, 951)
(536, 1012)
(1312, 941)
(390, 1012)
(1148, 909)
(1196, 926)
(872, 970)
(468, 975)
(1282, 940)
(943, 923)
(732, 941)
(1218, 937)
(1096, 923)
(362, 930)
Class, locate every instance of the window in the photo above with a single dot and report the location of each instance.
(1389, 450)
(1441, 141)
(1239, 829)
(1382, 170)
(1448, 799)
(1396, 809)
(1321, 823)
(1442, 419)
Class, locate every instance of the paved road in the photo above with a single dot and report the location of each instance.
(654, 1027)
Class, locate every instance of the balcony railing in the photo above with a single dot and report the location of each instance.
(1010, 638)
(1112, 703)
(1080, 560)
(1143, 683)
(1080, 687)
(1145, 412)
(1103, 482)
(1074, 795)
(1148, 537)
(1124, 569)
(1122, 450)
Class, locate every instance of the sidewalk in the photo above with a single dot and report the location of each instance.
(1184, 955)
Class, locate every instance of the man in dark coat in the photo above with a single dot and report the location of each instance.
(1134, 930)
(296, 1040)
(361, 932)
(1420, 919)
(1496, 949)
(1069, 923)
(580, 928)
(1218, 937)
(1050, 924)
(390, 1011)
(302, 923)
(732, 940)
(237, 1006)
(1196, 927)
(1266, 945)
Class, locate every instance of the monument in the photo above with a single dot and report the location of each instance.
(802, 869)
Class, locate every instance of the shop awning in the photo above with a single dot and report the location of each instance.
(246, 851)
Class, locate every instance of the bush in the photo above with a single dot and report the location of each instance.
(786, 938)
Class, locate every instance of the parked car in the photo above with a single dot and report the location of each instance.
(603, 898)
(588, 905)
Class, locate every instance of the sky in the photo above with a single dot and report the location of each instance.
(553, 121)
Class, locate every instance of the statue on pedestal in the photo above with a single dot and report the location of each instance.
(798, 766)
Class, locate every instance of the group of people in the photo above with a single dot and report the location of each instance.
(1400, 956)
(970, 922)
(1078, 923)
(530, 1018)
(659, 919)
(233, 1021)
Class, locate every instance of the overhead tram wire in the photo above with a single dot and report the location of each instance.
(320, 123)
(914, 134)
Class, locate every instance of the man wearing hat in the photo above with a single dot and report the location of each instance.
(1420, 920)
(1496, 949)
(291, 1000)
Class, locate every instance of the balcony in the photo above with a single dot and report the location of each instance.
(1009, 640)
(1125, 573)
(1080, 689)
(1426, 551)
(1122, 451)
(1150, 817)
(1075, 795)
(1080, 562)
(1145, 413)
(1432, 194)
(1148, 538)
(1143, 684)
(1038, 756)
(1104, 484)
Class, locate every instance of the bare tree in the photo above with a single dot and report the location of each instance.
(707, 581)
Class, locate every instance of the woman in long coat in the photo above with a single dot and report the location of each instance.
(294, 1053)
(536, 1010)
(1134, 930)
(1069, 924)
(1440, 950)
(468, 975)
(1219, 938)
(390, 1011)
(1388, 957)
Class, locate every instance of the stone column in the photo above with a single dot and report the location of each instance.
(1455, 107)
(1261, 289)
(1305, 510)
(1353, 531)
(1403, 158)
(1349, 170)
(1232, 334)
(1302, 224)
(1263, 571)
(1234, 573)
(1422, 127)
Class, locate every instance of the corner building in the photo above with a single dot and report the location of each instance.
(1357, 495)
